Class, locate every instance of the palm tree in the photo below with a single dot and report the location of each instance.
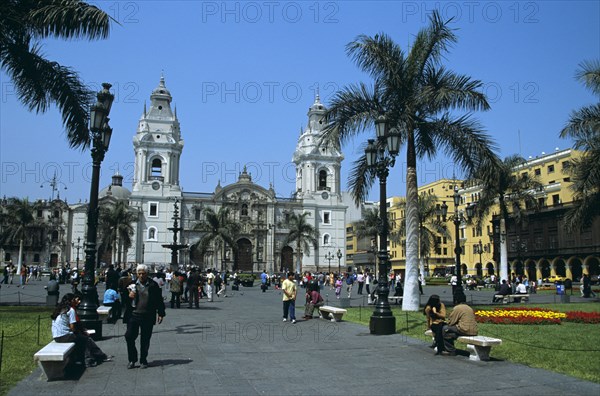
(19, 225)
(219, 230)
(584, 128)
(39, 82)
(116, 229)
(416, 94)
(513, 194)
(302, 234)
(368, 226)
(430, 227)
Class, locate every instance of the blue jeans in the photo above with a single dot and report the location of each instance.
(289, 306)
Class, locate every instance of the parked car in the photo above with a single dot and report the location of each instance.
(554, 279)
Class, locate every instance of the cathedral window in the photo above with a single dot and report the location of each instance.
(153, 209)
(54, 236)
(244, 210)
(156, 168)
(326, 217)
(323, 180)
(326, 239)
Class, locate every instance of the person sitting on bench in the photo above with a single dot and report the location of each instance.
(504, 291)
(461, 322)
(520, 289)
(67, 328)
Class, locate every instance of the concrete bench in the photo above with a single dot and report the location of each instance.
(506, 299)
(103, 312)
(479, 347)
(333, 313)
(53, 358)
(395, 299)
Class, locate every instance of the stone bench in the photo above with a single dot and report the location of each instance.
(103, 312)
(54, 357)
(506, 299)
(395, 299)
(479, 347)
(333, 313)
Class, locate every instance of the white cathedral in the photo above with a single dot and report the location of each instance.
(158, 146)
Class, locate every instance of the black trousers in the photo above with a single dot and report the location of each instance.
(86, 350)
(135, 326)
(175, 299)
(438, 336)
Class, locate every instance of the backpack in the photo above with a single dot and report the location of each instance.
(349, 280)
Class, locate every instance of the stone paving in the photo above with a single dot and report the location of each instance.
(239, 345)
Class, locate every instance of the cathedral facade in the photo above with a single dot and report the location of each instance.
(261, 214)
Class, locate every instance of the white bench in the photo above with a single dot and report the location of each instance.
(507, 298)
(395, 299)
(53, 358)
(103, 312)
(479, 347)
(334, 314)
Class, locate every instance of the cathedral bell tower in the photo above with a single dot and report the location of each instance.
(317, 166)
(158, 146)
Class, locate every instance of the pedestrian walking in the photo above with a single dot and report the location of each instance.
(147, 307)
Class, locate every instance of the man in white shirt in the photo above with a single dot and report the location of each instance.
(210, 281)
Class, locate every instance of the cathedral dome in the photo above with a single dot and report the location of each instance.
(115, 189)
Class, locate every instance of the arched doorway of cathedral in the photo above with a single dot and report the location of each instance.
(545, 267)
(531, 274)
(518, 268)
(287, 259)
(576, 268)
(463, 269)
(593, 264)
(490, 268)
(479, 270)
(560, 267)
(244, 261)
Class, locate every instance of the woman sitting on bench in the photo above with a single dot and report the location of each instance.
(67, 328)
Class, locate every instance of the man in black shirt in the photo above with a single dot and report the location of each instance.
(504, 291)
(146, 303)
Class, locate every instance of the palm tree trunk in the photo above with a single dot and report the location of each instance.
(411, 298)
(422, 267)
(20, 258)
(503, 251)
(299, 262)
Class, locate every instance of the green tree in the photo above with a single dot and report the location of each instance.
(419, 97)
(431, 228)
(115, 224)
(218, 230)
(584, 128)
(20, 227)
(39, 82)
(514, 195)
(368, 226)
(302, 233)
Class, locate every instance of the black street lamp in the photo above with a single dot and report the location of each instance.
(100, 136)
(457, 291)
(380, 156)
(339, 256)
(78, 246)
(329, 256)
(480, 251)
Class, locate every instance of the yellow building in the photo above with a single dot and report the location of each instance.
(538, 249)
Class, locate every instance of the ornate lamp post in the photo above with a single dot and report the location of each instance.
(380, 157)
(78, 246)
(339, 256)
(54, 185)
(457, 218)
(329, 256)
(100, 136)
(480, 251)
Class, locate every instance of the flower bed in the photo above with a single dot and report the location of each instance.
(536, 316)
(519, 316)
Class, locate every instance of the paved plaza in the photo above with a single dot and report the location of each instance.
(239, 345)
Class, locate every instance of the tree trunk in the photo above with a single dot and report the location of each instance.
(503, 251)
(20, 258)
(411, 298)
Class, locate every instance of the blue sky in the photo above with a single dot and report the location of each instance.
(243, 74)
